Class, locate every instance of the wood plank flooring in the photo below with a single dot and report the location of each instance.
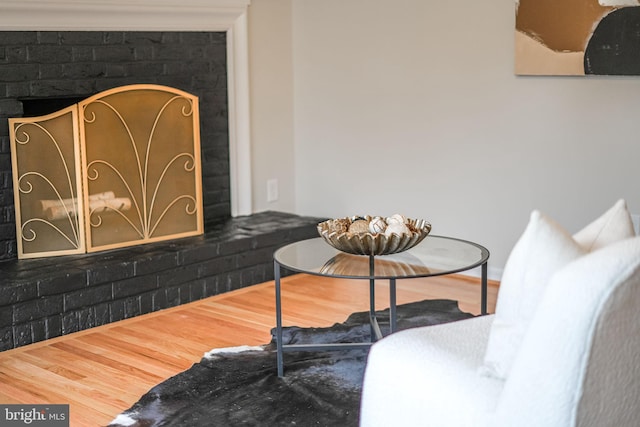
(102, 371)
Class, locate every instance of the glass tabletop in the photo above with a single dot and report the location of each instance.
(434, 256)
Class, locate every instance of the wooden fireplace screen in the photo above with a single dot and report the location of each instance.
(120, 168)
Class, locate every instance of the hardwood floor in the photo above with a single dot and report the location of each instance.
(102, 371)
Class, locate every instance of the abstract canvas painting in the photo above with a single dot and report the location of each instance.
(577, 37)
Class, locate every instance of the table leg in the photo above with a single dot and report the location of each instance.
(483, 302)
(279, 355)
(372, 300)
(392, 305)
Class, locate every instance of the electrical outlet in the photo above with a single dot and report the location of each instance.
(272, 190)
(636, 222)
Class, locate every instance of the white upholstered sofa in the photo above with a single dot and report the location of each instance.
(562, 350)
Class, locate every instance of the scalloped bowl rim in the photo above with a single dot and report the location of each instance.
(374, 244)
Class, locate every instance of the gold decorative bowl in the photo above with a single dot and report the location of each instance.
(373, 243)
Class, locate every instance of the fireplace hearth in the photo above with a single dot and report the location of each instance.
(44, 298)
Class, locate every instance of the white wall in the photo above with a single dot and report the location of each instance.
(271, 77)
(412, 106)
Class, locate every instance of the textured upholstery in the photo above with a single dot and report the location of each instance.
(413, 377)
(544, 248)
(578, 364)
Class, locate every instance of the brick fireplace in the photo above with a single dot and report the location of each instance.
(56, 65)
(76, 48)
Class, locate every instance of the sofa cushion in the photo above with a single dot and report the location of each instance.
(614, 225)
(544, 248)
(424, 376)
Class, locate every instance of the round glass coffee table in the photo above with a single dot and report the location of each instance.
(434, 256)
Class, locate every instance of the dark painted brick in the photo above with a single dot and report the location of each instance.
(233, 246)
(199, 253)
(86, 318)
(50, 71)
(116, 310)
(146, 303)
(142, 37)
(144, 53)
(11, 107)
(22, 334)
(111, 271)
(216, 266)
(49, 37)
(115, 70)
(113, 53)
(54, 326)
(105, 84)
(263, 273)
(210, 286)
(38, 308)
(101, 314)
(6, 316)
(81, 38)
(233, 281)
(16, 54)
(17, 89)
(6, 339)
(131, 307)
(113, 37)
(173, 296)
(85, 87)
(39, 330)
(155, 261)
(195, 38)
(70, 323)
(82, 53)
(178, 276)
(8, 230)
(144, 69)
(197, 290)
(49, 54)
(176, 68)
(11, 294)
(70, 279)
(159, 300)
(134, 286)
(247, 278)
(170, 37)
(253, 257)
(83, 70)
(18, 37)
(87, 296)
(184, 291)
(168, 51)
(54, 88)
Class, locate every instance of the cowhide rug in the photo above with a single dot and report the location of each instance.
(240, 387)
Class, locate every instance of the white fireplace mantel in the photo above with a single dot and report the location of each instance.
(162, 15)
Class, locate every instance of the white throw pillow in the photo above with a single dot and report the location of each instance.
(544, 248)
(614, 225)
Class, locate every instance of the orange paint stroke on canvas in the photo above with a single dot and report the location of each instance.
(560, 25)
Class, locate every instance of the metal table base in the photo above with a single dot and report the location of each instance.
(435, 256)
(376, 332)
